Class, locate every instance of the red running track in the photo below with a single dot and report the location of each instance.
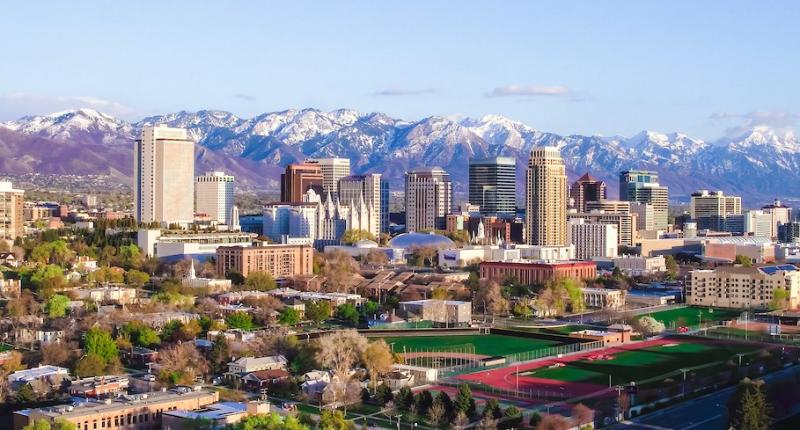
(505, 378)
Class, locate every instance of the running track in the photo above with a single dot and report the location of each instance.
(505, 378)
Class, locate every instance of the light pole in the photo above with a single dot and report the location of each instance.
(684, 382)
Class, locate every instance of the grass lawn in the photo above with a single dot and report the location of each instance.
(486, 344)
(692, 315)
(642, 364)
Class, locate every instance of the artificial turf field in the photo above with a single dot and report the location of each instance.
(485, 344)
(641, 364)
(692, 315)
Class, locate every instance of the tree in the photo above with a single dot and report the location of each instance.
(649, 325)
(55, 353)
(425, 255)
(46, 279)
(235, 277)
(574, 293)
(334, 420)
(339, 270)
(490, 298)
(352, 236)
(404, 399)
(62, 424)
(137, 278)
(672, 266)
(535, 420)
(443, 399)
(239, 319)
(90, 365)
(780, 299)
(581, 414)
(376, 257)
(440, 293)
(513, 417)
(271, 421)
(260, 281)
(340, 350)
(384, 394)
(318, 310)
(553, 422)
(57, 306)
(181, 364)
(378, 359)
(491, 409)
(99, 342)
(437, 416)
(38, 425)
(348, 312)
(748, 408)
(423, 401)
(744, 260)
(464, 401)
(289, 316)
(220, 353)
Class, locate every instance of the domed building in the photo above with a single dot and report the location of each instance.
(420, 240)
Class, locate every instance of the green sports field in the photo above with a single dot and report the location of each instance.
(485, 344)
(639, 365)
(691, 316)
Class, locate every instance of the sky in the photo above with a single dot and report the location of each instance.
(704, 68)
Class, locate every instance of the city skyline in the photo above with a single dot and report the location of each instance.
(535, 72)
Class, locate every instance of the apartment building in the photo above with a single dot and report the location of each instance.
(281, 261)
(743, 287)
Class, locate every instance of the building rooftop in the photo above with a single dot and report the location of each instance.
(420, 240)
(213, 412)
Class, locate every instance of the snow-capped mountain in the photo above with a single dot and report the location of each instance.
(760, 163)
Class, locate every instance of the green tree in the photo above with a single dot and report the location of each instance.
(235, 277)
(404, 399)
(574, 294)
(780, 299)
(90, 365)
(671, 266)
(491, 409)
(99, 342)
(348, 312)
(464, 401)
(62, 424)
(446, 403)
(137, 278)
(744, 260)
(220, 353)
(423, 401)
(334, 420)
(318, 310)
(384, 394)
(289, 316)
(748, 408)
(57, 306)
(260, 281)
(25, 394)
(240, 320)
(48, 278)
(352, 236)
(38, 425)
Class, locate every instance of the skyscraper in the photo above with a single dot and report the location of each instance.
(333, 169)
(366, 188)
(11, 218)
(384, 206)
(586, 189)
(214, 196)
(711, 209)
(429, 198)
(642, 186)
(546, 198)
(163, 176)
(492, 185)
(299, 178)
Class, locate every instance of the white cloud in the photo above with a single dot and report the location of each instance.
(390, 92)
(530, 91)
(775, 120)
(245, 97)
(15, 105)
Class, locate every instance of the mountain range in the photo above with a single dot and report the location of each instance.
(759, 164)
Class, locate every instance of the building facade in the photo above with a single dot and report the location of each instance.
(429, 198)
(642, 186)
(744, 287)
(281, 261)
(546, 198)
(298, 179)
(163, 176)
(592, 240)
(492, 185)
(710, 209)
(333, 169)
(625, 223)
(586, 189)
(11, 211)
(214, 196)
(354, 189)
(529, 272)
(781, 214)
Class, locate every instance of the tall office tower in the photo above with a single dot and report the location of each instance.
(384, 206)
(213, 194)
(11, 212)
(429, 198)
(364, 189)
(710, 209)
(492, 185)
(546, 202)
(333, 169)
(781, 214)
(645, 216)
(642, 186)
(164, 176)
(298, 179)
(586, 189)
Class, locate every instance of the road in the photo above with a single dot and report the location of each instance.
(708, 412)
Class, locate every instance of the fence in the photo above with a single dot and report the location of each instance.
(445, 358)
(531, 394)
(553, 351)
(727, 333)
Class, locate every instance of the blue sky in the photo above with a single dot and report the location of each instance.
(607, 67)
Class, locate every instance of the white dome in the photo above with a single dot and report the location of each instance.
(365, 243)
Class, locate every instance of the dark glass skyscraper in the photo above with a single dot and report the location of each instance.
(492, 185)
(384, 206)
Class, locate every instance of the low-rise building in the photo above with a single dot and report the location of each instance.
(448, 313)
(177, 245)
(140, 412)
(99, 386)
(604, 298)
(759, 250)
(744, 287)
(42, 379)
(109, 294)
(534, 272)
(218, 415)
(247, 365)
(10, 287)
(635, 265)
(281, 261)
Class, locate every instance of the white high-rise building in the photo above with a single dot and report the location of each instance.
(429, 199)
(163, 186)
(11, 217)
(592, 239)
(367, 188)
(333, 169)
(214, 196)
(758, 223)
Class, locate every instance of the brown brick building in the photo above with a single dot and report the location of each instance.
(280, 261)
(537, 272)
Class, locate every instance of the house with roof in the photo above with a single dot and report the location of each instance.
(265, 378)
(241, 367)
(42, 379)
